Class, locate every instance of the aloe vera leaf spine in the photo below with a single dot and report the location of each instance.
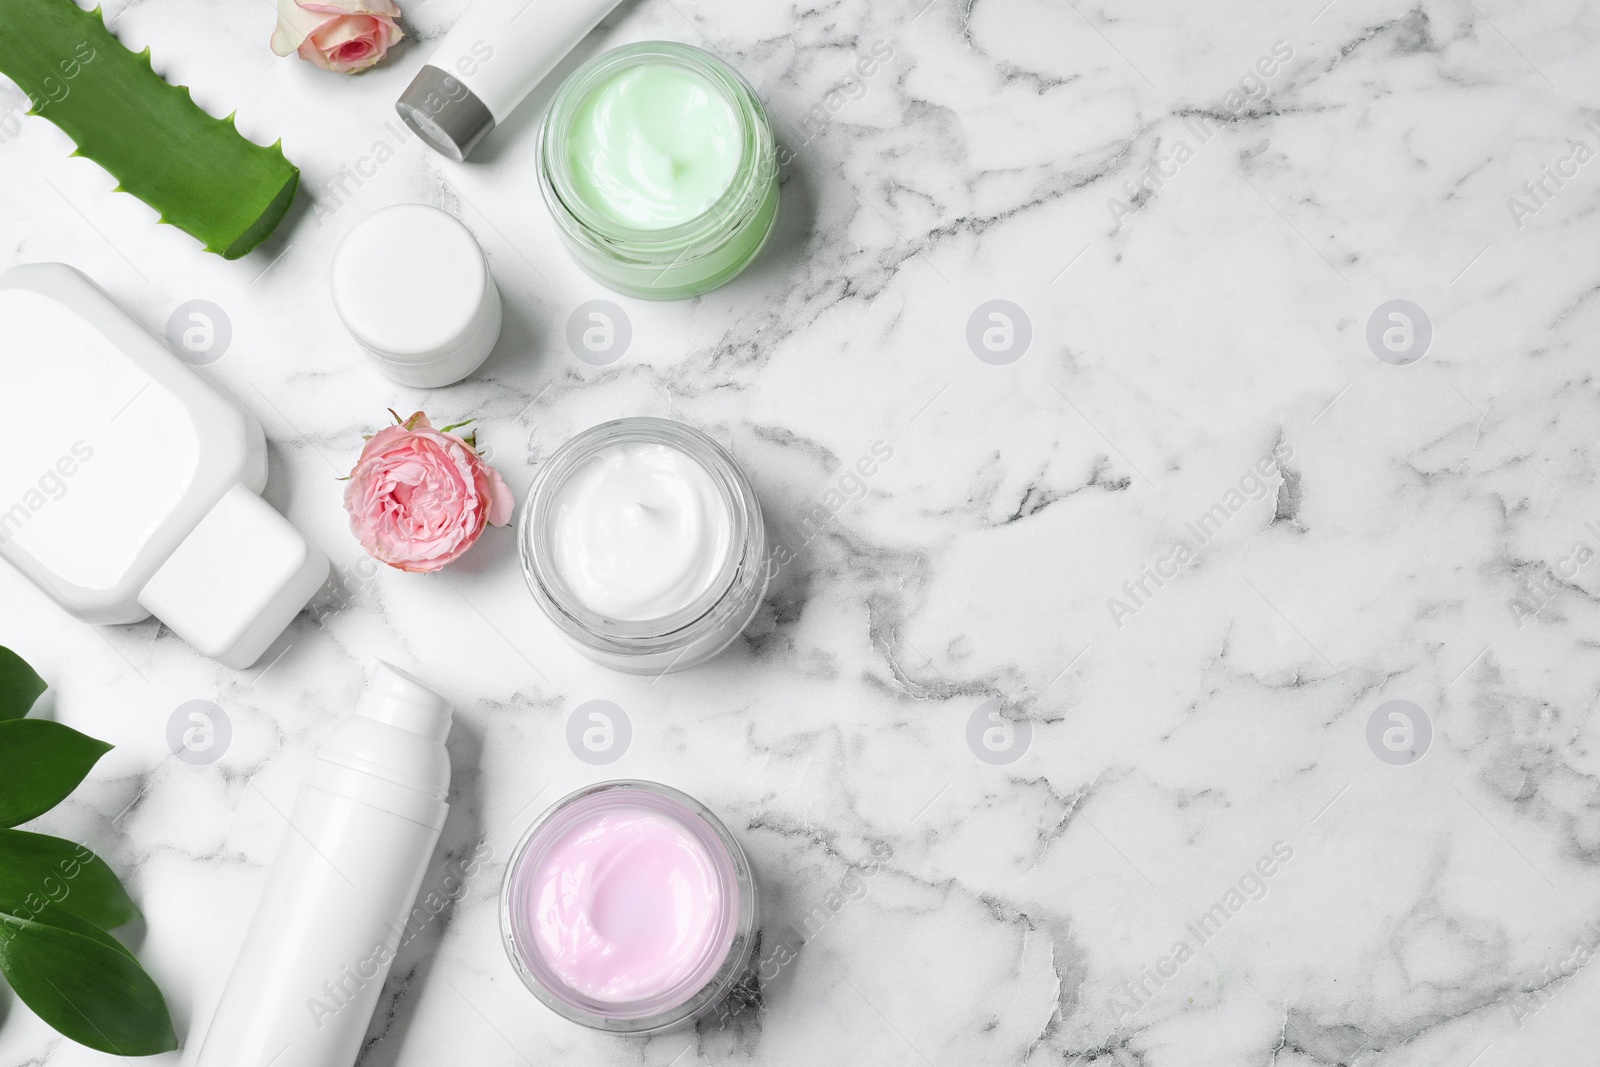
(197, 171)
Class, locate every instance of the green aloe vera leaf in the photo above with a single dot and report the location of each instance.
(197, 171)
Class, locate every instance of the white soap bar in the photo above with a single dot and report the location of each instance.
(129, 485)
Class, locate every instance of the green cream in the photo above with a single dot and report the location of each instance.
(659, 167)
(654, 146)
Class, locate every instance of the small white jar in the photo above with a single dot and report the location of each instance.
(413, 287)
(643, 542)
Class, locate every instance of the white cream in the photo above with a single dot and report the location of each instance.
(640, 531)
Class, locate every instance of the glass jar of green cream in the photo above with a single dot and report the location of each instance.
(658, 164)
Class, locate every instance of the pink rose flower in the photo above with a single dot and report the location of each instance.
(345, 36)
(420, 497)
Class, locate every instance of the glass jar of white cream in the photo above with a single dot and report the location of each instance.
(643, 541)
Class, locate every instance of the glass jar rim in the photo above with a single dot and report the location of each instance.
(735, 938)
(534, 526)
(742, 197)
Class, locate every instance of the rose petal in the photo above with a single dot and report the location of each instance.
(322, 33)
(309, 52)
(295, 25)
(501, 502)
(419, 498)
(337, 33)
(354, 7)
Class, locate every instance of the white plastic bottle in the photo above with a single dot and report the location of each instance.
(128, 486)
(337, 897)
(489, 61)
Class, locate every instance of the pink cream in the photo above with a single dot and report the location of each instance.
(626, 906)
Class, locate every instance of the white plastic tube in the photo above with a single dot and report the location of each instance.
(489, 61)
(336, 900)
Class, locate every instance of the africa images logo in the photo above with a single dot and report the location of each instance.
(1252, 885)
(50, 486)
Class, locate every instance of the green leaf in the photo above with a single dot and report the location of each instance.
(19, 685)
(52, 915)
(198, 172)
(39, 871)
(73, 978)
(41, 761)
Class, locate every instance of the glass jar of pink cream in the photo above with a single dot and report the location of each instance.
(628, 907)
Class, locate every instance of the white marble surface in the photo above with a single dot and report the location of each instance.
(1411, 544)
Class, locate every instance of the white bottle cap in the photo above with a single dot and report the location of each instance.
(236, 581)
(413, 287)
(390, 754)
(397, 698)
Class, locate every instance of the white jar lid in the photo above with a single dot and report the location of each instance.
(411, 284)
